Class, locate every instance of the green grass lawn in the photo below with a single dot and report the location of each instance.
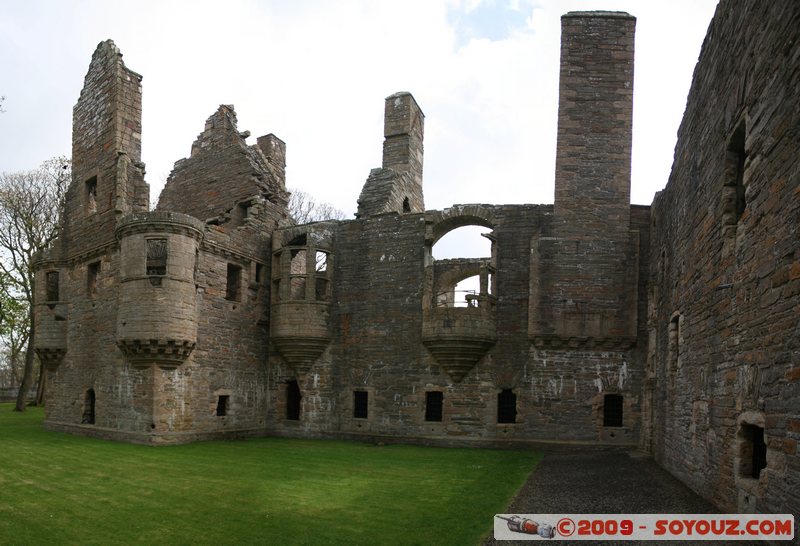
(62, 489)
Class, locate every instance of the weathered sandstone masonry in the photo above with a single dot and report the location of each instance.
(673, 327)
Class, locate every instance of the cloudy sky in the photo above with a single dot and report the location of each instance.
(315, 73)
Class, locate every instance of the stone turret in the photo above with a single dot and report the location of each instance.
(157, 320)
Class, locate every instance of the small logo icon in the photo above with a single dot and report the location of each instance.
(527, 526)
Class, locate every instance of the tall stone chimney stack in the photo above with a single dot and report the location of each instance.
(595, 111)
(584, 270)
(403, 128)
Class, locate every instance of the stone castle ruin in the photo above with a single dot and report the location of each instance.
(674, 327)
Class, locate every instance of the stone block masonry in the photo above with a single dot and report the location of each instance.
(672, 327)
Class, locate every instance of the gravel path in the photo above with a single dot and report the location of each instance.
(612, 481)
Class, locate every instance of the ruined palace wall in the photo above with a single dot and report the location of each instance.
(725, 270)
(380, 285)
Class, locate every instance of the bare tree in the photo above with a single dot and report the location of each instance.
(303, 209)
(30, 211)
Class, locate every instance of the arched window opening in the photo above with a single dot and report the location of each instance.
(464, 242)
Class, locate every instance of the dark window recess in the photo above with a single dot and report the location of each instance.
(91, 194)
(321, 289)
(156, 256)
(51, 280)
(753, 456)
(433, 405)
(259, 273)
(406, 205)
(300, 240)
(293, 398)
(276, 291)
(736, 159)
(360, 404)
(92, 271)
(88, 408)
(507, 406)
(222, 405)
(233, 286)
(612, 410)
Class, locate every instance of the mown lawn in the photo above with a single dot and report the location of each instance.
(61, 489)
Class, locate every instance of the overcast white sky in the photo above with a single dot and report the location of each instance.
(315, 73)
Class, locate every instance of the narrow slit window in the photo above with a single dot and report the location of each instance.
(293, 398)
(433, 405)
(92, 272)
(507, 406)
(360, 404)
(406, 205)
(156, 257)
(321, 259)
(234, 283)
(91, 194)
(51, 280)
(89, 401)
(223, 402)
(259, 273)
(612, 410)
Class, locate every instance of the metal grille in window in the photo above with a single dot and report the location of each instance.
(612, 410)
(156, 256)
(433, 405)
(52, 285)
(507, 407)
(360, 404)
(293, 397)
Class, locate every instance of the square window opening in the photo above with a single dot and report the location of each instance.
(223, 402)
(507, 406)
(52, 289)
(234, 283)
(156, 257)
(360, 404)
(612, 410)
(433, 405)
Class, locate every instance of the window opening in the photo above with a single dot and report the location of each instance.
(156, 257)
(88, 408)
(259, 273)
(298, 265)
(321, 289)
(91, 194)
(276, 290)
(293, 398)
(92, 271)
(222, 405)
(507, 406)
(406, 205)
(321, 261)
(360, 404)
(51, 280)
(433, 405)
(753, 454)
(234, 283)
(300, 240)
(612, 410)
(673, 346)
(736, 157)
